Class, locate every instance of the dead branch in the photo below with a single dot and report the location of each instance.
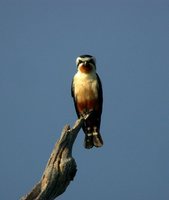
(61, 167)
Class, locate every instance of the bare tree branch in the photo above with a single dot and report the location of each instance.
(61, 167)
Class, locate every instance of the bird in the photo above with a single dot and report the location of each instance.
(86, 90)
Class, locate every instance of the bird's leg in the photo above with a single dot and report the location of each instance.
(87, 112)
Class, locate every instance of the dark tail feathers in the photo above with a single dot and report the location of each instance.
(93, 139)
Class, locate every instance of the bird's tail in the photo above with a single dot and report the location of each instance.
(97, 139)
(88, 141)
(93, 139)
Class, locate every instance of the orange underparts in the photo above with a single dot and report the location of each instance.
(86, 68)
(87, 106)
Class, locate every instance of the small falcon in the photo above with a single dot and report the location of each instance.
(87, 94)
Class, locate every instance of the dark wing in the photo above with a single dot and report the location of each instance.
(100, 93)
(74, 99)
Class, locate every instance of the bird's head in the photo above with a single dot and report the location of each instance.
(86, 63)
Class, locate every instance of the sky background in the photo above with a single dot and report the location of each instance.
(39, 43)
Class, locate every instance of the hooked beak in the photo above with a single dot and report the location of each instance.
(85, 63)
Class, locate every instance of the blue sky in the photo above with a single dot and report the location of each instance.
(39, 42)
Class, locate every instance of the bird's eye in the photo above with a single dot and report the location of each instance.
(79, 62)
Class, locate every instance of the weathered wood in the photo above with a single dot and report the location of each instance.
(61, 167)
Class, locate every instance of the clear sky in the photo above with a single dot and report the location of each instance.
(39, 42)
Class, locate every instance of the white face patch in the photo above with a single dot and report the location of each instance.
(85, 59)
